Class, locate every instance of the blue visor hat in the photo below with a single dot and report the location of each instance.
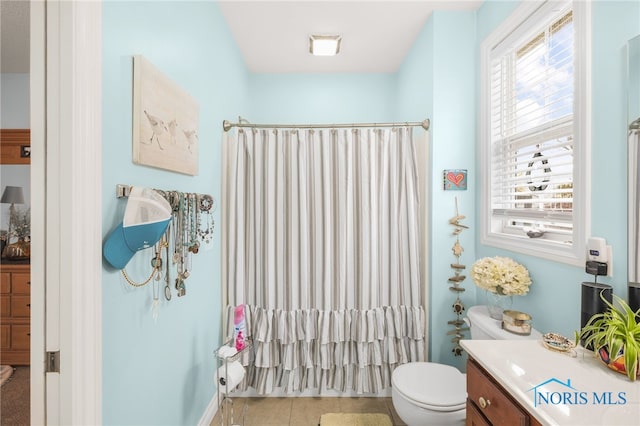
(146, 218)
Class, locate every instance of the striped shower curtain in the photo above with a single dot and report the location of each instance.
(321, 242)
(634, 203)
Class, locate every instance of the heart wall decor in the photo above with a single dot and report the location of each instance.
(454, 179)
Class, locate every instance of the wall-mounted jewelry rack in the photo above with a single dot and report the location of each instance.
(207, 204)
(192, 224)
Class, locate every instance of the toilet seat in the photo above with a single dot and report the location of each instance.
(432, 386)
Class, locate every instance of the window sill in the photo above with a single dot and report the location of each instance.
(544, 249)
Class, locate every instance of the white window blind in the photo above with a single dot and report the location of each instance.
(532, 130)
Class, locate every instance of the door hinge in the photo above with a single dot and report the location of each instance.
(52, 362)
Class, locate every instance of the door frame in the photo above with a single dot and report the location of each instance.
(66, 179)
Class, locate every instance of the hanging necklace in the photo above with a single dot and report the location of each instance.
(185, 237)
(167, 289)
(182, 274)
(205, 204)
(194, 245)
(177, 229)
(156, 285)
(156, 264)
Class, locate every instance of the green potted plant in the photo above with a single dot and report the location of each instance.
(615, 337)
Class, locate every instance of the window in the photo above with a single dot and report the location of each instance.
(533, 132)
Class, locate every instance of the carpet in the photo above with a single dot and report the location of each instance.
(5, 372)
(355, 419)
(14, 399)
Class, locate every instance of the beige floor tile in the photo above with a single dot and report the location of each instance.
(226, 410)
(397, 421)
(268, 411)
(307, 411)
(363, 405)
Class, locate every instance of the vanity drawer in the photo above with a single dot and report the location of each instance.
(474, 417)
(15, 313)
(5, 282)
(21, 306)
(491, 399)
(5, 337)
(21, 283)
(20, 337)
(5, 305)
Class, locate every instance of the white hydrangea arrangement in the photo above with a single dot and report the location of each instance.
(501, 275)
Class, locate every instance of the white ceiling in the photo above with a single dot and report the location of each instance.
(376, 35)
(273, 35)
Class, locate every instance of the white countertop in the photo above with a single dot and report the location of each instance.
(531, 373)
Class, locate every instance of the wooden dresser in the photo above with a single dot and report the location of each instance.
(15, 294)
(15, 313)
(489, 404)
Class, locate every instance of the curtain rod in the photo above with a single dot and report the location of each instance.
(227, 125)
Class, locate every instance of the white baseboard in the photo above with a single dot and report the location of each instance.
(210, 411)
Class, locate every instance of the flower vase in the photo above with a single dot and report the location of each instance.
(497, 303)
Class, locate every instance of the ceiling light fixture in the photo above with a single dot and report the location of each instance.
(324, 45)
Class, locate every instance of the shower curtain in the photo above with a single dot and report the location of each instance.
(634, 203)
(322, 245)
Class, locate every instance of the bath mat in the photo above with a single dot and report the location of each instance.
(355, 419)
(5, 372)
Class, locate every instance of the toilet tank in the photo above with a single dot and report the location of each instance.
(483, 327)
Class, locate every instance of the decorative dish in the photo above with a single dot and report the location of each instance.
(557, 342)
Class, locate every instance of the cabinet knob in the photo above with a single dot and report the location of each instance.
(484, 403)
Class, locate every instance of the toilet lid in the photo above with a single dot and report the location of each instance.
(434, 386)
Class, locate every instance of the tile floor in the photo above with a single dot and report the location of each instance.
(303, 411)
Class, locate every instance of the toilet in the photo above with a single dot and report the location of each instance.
(428, 393)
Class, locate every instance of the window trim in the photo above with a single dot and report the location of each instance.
(573, 254)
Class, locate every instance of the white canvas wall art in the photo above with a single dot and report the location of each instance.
(165, 121)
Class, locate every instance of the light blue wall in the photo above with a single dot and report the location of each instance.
(453, 128)
(14, 101)
(162, 373)
(437, 81)
(14, 114)
(415, 79)
(554, 299)
(321, 98)
(633, 54)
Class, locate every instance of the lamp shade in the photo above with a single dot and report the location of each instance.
(12, 195)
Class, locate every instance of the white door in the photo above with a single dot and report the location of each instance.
(66, 140)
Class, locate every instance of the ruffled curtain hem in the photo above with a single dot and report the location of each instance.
(343, 350)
